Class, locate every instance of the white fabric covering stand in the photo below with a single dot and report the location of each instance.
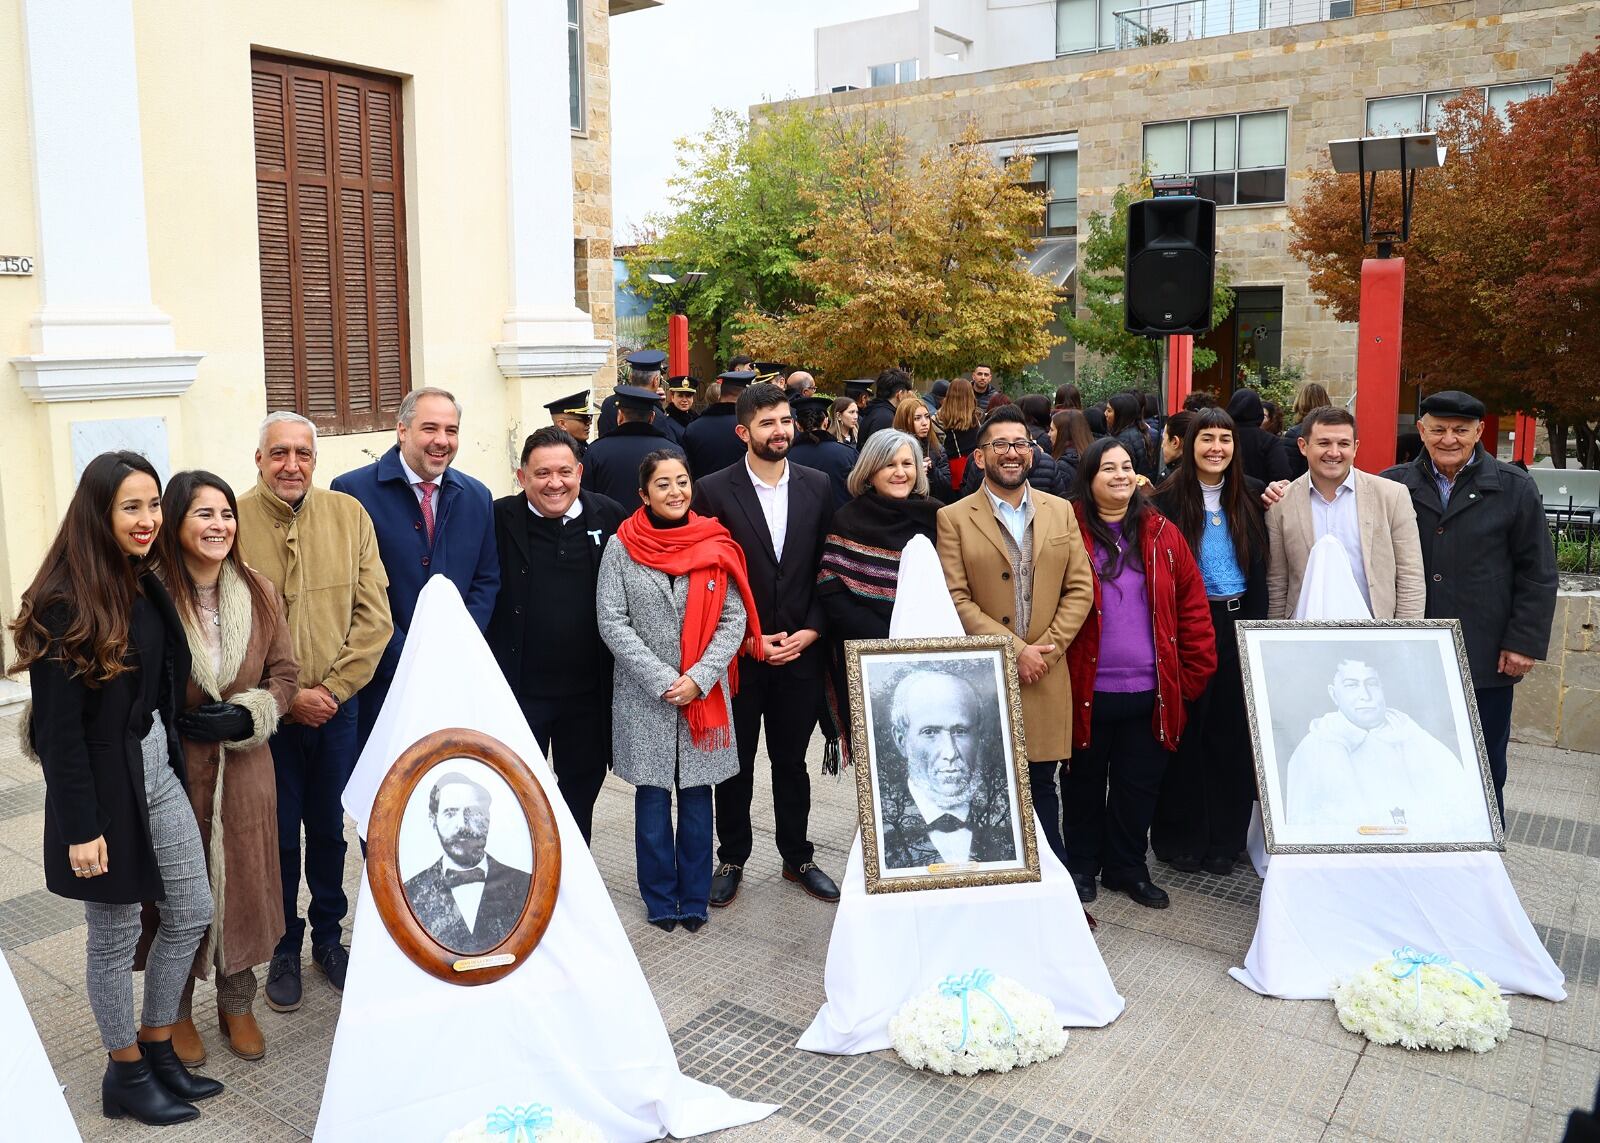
(888, 947)
(575, 1027)
(1330, 915)
(31, 1102)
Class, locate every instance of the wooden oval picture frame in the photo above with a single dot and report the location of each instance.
(395, 904)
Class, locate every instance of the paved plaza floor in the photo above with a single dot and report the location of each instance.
(1194, 1057)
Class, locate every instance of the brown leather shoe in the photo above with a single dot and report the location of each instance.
(244, 1035)
(187, 1043)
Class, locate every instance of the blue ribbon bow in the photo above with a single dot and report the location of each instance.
(1409, 962)
(961, 988)
(518, 1123)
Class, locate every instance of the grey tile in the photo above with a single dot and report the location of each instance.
(24, 799)
(36, 915)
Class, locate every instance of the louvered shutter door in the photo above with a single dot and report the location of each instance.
(331, 203)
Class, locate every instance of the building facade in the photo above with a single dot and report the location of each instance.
(1241, 97)
(222, 209)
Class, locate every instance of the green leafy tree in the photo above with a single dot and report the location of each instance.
(742, 201)
(1119, 358)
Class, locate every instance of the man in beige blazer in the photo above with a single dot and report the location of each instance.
(1016, 566)
(1372, 518)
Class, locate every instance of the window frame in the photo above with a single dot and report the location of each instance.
(575, 69)
(1450, 92)
(1233, 171)
(897, 66)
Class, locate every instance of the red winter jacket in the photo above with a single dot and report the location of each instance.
(1186, 646)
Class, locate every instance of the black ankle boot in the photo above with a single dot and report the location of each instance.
(179, 1080)
(131, 1088)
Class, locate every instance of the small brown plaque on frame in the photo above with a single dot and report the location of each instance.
(463, 856)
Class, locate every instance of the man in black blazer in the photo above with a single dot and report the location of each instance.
(543, 631)
(778, 514)
(469, 901)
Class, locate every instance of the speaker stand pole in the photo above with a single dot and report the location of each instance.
(1180, 369)
(1383, 282)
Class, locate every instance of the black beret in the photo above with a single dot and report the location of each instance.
(1453, 403)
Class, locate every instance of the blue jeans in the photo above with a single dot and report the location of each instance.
(674, 874)
(312, 765)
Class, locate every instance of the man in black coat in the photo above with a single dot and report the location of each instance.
(1261, 452)
(779, 514)
(644, 373)
(712, 443)
(469, 901)
(611, 466)
(892, 387)
(815, 447)
(543, 631)
(1487, 558)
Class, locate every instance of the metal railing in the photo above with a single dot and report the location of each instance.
(1196, 19)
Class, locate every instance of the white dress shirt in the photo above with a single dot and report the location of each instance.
(567, 517)
(954, 845)
(1014, 519)
(1337, 518)
(417, 482)
(774, 500)
(470, 895)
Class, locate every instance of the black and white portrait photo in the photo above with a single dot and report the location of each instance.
(1365, 738)
(941, 766)
(465, 856)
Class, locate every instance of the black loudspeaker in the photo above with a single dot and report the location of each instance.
(1171, 266)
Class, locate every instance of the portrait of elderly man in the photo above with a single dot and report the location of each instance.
(469, 901)
(1365, 764)
(953, 806)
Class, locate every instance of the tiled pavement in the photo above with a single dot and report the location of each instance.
(1194, 1057)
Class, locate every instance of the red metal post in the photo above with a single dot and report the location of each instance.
(1180, 369)
(1383, 282)
(678, 345)
(1491, 434)
(1527, 427)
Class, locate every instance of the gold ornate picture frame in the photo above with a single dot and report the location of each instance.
(1366, 737)
(941, 763)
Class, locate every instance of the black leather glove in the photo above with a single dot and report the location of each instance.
(216, 722)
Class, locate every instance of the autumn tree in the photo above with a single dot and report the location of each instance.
(1119, 359)
(1503, 261)
(912, 263)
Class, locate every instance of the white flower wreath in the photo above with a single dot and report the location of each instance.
(1423, 1000)
(533, 1123)
(976, 1023)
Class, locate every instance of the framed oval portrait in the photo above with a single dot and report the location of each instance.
(464, 856)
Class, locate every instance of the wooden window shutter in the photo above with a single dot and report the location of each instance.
(330, 203)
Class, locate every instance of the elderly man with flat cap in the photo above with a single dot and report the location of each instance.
(1487, 558)
(644, 372)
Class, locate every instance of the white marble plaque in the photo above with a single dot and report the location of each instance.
(146, 435)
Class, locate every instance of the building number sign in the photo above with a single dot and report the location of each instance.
(16, 264)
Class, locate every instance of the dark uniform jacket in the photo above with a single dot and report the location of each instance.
(1488, 559)
(510, 635)
(611, 466)
(87, 740)
(505, 891)
(710, 443)
(606, 423)
(825, 453)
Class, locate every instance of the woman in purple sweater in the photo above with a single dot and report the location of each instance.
(1146, 649)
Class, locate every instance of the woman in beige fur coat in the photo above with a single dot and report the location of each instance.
(241, 682)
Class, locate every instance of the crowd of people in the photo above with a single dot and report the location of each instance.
(205, 668)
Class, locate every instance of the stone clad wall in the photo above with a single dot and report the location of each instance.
(1558, 704)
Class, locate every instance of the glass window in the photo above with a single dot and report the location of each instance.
(1061, 217)
(1408, 114)
(908, 71)
(1166, 148)
(1061, 174)
(575, 65)
(1108, 21)
(904, 71)
(1211, 145)
(1075, 26)
(1501, 98)
(1259, 313)
(1263, 139)
(1434, 113)
(882, 75)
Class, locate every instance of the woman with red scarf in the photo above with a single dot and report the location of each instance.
(674, 607)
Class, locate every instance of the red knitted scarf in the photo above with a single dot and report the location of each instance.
(703, 550)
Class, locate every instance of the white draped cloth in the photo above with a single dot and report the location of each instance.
(31, 1102)
(575, 1027)
(888, 947)
(1328, 915)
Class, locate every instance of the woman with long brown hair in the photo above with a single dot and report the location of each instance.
(957, 425)
(913, 419)
(242, 679)
(1070, 435)
(106, 656)
(1204, 811)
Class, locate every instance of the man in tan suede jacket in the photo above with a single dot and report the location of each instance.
(318, 547)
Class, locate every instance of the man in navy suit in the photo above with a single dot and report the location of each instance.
(778, 513)
(469, 901)
(430, 520)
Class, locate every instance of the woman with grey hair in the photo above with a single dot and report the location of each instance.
(860, 566)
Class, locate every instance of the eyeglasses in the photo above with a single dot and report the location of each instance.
(1001, 448)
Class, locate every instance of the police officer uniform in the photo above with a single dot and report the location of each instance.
(816, 448)
(711, 443)
(683, 418)
(579, 406)
(645, 361)
(611, 466)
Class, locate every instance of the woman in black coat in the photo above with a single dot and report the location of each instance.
(108, 660)
(1262, 453)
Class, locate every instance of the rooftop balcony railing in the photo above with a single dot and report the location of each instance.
(1196, 19)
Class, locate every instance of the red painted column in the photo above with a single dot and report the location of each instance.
(1383, 282)
(678, 345)
(1180, 369)
(1491, 434)
(1527, 426)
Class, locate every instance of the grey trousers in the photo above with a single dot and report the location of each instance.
(185, 914)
